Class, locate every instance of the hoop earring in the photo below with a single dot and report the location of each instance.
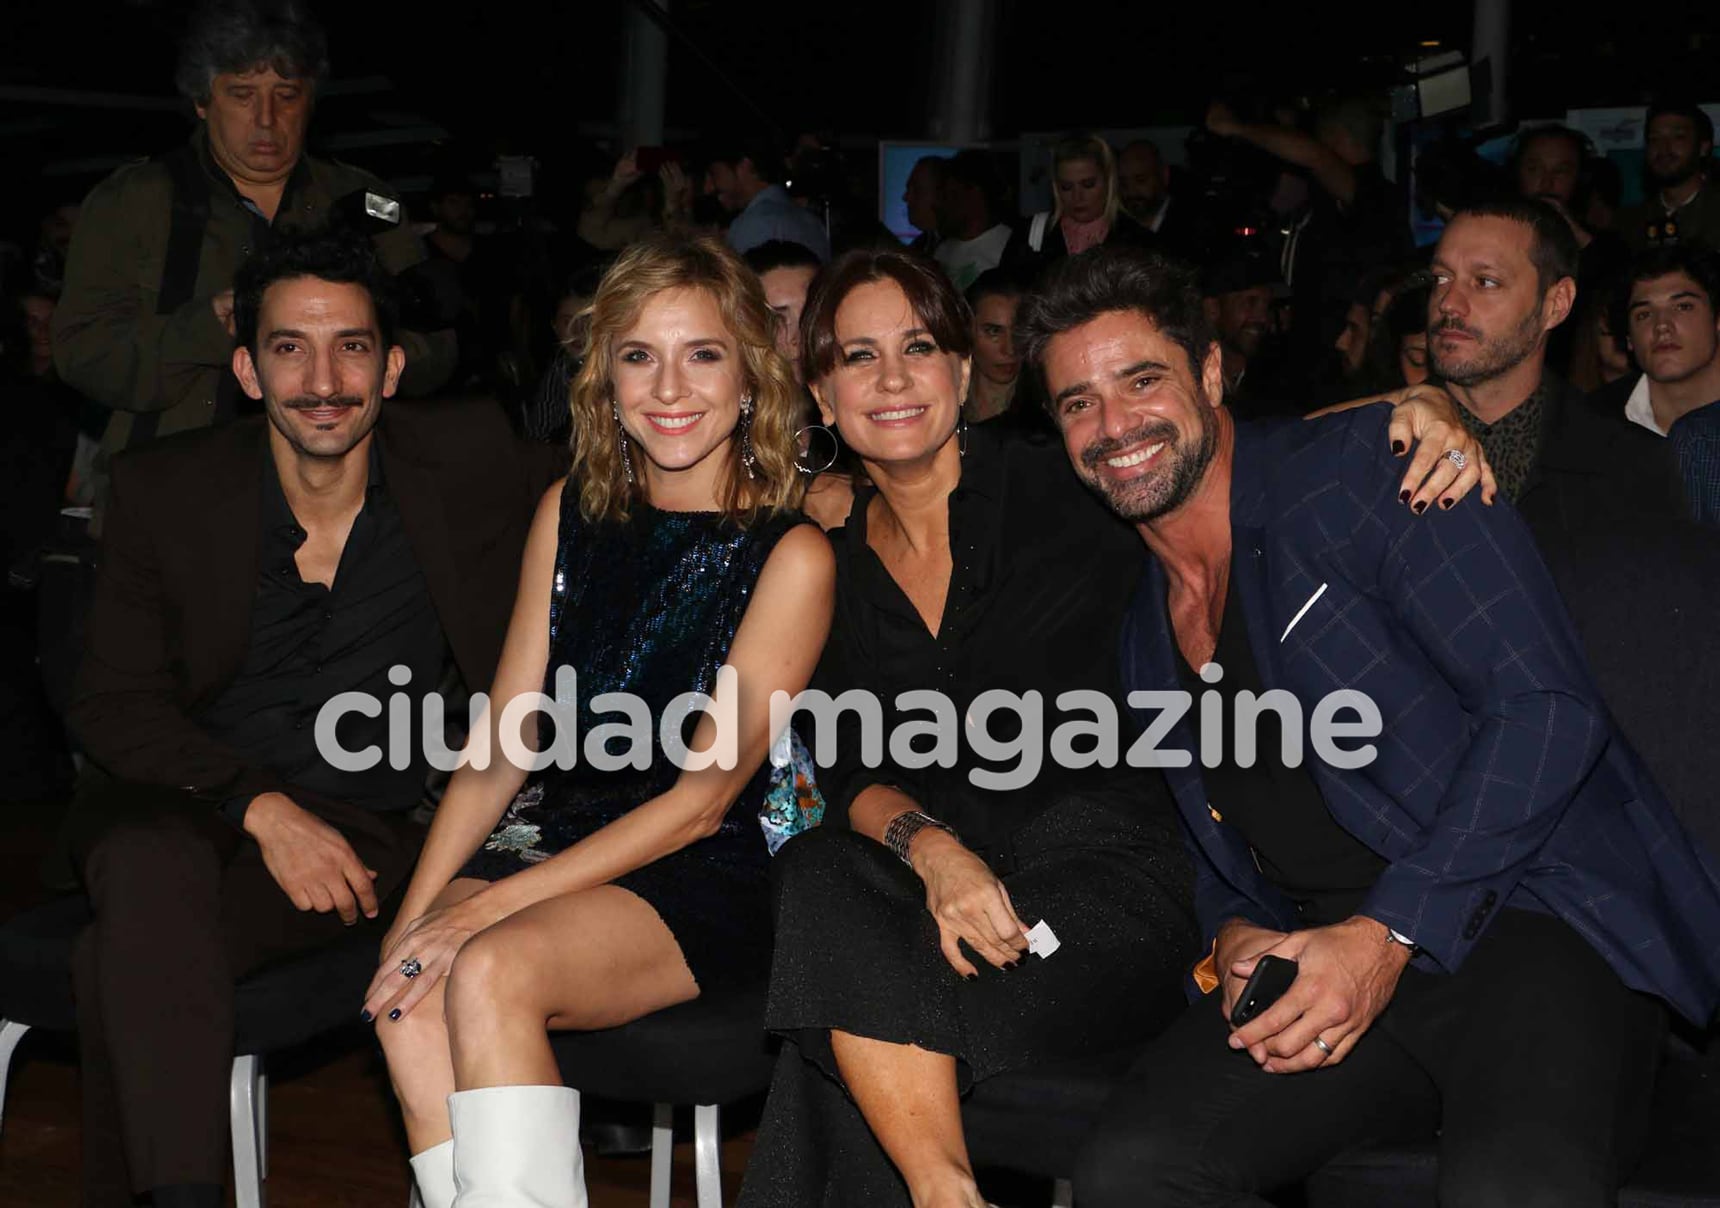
(748, 459)
(621, 435)
(811, 471)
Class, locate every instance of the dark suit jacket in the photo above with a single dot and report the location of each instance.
(1498, 779)
(171, 619)
(1641, 581)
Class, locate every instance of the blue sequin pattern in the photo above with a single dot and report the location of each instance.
(649, 607)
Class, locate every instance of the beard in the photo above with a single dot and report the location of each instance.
(1674, 174)
(1491, 357)
(1178, 470)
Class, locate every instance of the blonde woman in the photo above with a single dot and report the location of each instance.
(598, 895)
(1086, 207)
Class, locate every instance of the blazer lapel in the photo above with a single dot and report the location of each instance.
(414, 488)
(218, 602)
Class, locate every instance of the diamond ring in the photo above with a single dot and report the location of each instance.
(410, 968)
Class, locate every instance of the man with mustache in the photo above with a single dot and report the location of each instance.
(339, 543)
(1481, 894)
(1678, 140)
(144, 324)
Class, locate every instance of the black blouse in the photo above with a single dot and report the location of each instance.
(1042, 574)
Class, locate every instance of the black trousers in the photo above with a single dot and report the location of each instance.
(184, 907)
(1534, 1064)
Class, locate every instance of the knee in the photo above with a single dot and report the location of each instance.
(416, 1037)
(133, 858)
(488, 979)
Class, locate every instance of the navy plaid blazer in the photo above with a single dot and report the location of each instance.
(1498, 779)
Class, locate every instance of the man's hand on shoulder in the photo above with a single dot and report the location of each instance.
(310, 860)
(1346, 975)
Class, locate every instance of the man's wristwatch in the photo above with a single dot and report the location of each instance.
(1398, 937)
(899, 834)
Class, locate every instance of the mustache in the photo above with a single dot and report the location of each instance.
(1452, 324)
(1099, 450)
(309, 402)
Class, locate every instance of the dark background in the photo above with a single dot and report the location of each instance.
(537, 78)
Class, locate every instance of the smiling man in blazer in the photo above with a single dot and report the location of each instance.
(1488, 903)
(256, 571)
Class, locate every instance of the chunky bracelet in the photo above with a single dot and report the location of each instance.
(899, 834)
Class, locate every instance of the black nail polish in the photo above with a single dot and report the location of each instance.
(1397, 447)
(1403, 496)
(1012, 966)
(366, 1016)
(970, 977)
(1420, 507)
(1446, 504)
(394, 1014)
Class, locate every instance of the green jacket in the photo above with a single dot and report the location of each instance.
(110, 342)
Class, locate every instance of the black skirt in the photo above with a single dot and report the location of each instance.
(856, 950)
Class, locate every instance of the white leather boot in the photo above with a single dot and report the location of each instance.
(517, 1147)
(433, 1171)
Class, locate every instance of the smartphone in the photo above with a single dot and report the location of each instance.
(1272, 976)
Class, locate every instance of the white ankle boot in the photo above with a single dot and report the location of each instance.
(433, 1171)
(517, 1147)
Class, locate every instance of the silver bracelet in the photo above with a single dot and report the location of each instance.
(899, 834)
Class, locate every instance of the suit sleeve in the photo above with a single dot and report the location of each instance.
(1470, 588)
(123, 708)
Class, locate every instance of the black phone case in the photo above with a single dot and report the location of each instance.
(1271, 977)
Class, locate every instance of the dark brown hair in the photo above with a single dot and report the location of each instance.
(935, 302)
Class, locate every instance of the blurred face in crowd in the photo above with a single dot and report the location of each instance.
(1612, 352)
(1352, 342)
(321, 368)
(57, 227)
(733, 185)
(894, 395)
(1548, 168)
(38, 325)
(1081, 190)
(1412, 357)
(1487, 313)
(1140, 427)
(785, 289)
(993, 347)
(256, 122)
(1672, 327)
(1142, 180)
(921, 197)
(456, 213)
(1675, 150)
(679, 379)
(1242, 318)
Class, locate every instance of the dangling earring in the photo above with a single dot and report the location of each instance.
(747, 458)
(621, 435)
(835, 445)
(961, 436)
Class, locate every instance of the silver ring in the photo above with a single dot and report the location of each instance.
(410, 968)
(1456, 457)
(1322, 1046)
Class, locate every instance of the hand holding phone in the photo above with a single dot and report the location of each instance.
(1271, 978)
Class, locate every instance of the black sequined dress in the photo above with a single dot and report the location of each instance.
(649, 607)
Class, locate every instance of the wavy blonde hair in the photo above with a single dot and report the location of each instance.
(1086, 146)
(644, 270)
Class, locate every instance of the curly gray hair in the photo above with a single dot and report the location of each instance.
(241, 35)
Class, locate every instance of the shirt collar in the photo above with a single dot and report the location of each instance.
(278, 513)
(769, 195)
(1639, 409)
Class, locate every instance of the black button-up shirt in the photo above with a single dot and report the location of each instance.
(1041, 576)
(310, 643)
